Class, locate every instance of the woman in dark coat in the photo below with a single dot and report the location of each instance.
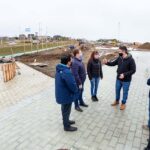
(95, 73)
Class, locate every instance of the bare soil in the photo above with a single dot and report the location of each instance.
(52, 58)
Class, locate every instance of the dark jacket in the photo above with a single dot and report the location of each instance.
(65, 86)
(148, 83)
(126, 66)
(78, 70)
(94, 69)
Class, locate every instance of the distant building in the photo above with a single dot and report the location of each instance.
(5, 38)
(31, 36)
(60, 38)
(22, 37)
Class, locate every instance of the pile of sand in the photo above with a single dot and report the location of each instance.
(145, 46)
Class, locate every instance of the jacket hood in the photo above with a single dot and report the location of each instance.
(128, 56)
(77, 59)
(61, 67)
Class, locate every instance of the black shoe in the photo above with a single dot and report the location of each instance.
(146, 148)
(71, 129)
(78, 109)
(84, 105)
(71, 122)
(94, 99)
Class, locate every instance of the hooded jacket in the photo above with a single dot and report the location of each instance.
(78, 70)
(126, 66)
(65, 86)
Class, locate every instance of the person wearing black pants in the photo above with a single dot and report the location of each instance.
(66, 110)
(79, 72)
(66, 90)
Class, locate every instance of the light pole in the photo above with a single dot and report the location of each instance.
(118, 30)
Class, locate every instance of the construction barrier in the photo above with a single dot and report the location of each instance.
(9, 71)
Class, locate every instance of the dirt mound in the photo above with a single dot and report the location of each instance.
(145, 46)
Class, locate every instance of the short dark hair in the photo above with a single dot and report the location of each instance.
(66, 58)
(76, 51)
(124, 48)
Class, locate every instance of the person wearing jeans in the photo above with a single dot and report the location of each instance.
(125, 86)
(66, 90)
(78, 70)
(126, 68)
(94, 87)
(94, 70)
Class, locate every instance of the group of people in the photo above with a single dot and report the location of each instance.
(71, 75)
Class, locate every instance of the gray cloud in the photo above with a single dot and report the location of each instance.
(91, 19)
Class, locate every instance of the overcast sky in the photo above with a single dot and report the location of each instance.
(90, 19)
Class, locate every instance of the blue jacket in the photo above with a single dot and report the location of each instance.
(78, 70)
(65, 86)
(148, 83)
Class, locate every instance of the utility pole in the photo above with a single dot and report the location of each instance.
(119, 31)
(46, 37)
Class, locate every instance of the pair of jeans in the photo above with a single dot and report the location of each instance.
(94, 85)
(79, 100)
(125, 85)
(66, 110)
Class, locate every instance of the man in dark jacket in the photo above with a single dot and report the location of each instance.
(78, 70)
(126, 68)
(65, 90)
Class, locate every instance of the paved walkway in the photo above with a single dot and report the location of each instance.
(30, 119)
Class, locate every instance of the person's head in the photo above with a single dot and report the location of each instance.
(66, 59)
(123, 50)
(95, 55)
(77, 53)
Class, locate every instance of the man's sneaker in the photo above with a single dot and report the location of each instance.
(71, 129)
(122, 107)
(71, 122)
(146, 148)
(115, 103)
(78, 109)
(145, 127)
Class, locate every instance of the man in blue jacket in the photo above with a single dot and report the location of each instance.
(65, 90)
(79, 72)
(126, 68)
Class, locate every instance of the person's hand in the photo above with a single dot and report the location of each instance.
(121, 76)
(105, 61)
(80, 86)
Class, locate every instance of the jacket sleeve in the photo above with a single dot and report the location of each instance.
(89, 67)
(70, 81)
(148, 82)
(132, 68)
(101, 71)
(113, 63)
(75, 71)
